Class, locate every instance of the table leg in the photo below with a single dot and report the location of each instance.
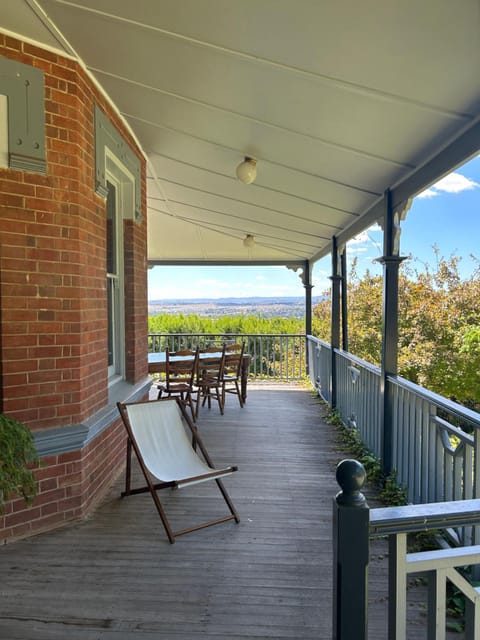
(244, 377)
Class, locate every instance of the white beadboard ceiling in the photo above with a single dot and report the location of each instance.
(338, 100)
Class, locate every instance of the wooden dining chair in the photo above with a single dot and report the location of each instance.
(209, 377)
(180, 377)
(232, 371)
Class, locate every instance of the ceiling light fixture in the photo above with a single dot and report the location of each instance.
(249, 241)
(247, 170)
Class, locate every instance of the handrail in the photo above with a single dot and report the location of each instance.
(355, 524)
(273, 356)
(439, 565)
(423, 517)
(435, 441)
(448, 405)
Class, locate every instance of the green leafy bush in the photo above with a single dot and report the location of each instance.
(248, 324)
(391, 492)
(18, 457)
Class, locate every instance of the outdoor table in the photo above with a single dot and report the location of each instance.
(157, 363)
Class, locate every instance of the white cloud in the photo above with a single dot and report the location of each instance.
(321, 283)
(360, 238)
(453, 183)
(357, 249)
(428, 193)
(212, 282)
(267, 288)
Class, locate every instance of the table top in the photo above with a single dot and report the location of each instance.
(160, 357)
(157, 362)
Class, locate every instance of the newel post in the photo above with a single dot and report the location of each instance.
(350, 553)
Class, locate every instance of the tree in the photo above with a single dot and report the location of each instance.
(248, 324)
(439, 326)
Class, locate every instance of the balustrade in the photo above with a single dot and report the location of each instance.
(436, 442)
(273, 356)
(439, 566)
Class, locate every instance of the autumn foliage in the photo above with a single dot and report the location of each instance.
(439, 326)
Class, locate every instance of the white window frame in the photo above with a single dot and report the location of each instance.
(124, 182)
(3, 131)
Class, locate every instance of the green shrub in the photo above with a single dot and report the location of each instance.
(18, 457)
(391, 493)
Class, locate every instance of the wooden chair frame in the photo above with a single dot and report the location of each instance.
(209, 379)
(180, 378)
(232, 371)
(153, 483)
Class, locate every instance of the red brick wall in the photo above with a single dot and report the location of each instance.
(53, 340)
(69, 485)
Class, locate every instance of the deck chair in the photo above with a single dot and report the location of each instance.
(157, 432)
(232, 371)
(180, 373)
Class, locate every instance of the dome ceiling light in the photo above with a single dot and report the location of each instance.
(249, 241)
(247, 170)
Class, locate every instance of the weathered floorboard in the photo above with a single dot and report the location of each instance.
(115, 576)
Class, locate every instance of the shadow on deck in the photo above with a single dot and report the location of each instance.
(116, 576)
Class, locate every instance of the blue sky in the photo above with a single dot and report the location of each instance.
(446, 215)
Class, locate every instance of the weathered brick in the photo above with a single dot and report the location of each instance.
(21, 516)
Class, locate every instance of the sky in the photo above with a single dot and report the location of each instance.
(446, 215)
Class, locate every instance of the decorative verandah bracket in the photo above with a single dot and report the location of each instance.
(305, 276)
(305, 269)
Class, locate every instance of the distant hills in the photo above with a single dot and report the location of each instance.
(286, 306)
(255, 300)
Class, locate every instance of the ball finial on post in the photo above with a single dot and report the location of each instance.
(351, 477)
(350, 553)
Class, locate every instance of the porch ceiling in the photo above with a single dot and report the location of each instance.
(337, 100)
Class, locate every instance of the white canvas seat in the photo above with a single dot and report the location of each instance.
(167, 456)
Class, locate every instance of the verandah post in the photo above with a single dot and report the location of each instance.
(307, 283)
(391, 261)
(350, 553)
(336, 279)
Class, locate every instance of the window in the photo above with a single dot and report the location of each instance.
(3, 131)
(114, 268)
(120, 207)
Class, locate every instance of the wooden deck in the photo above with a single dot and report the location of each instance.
(116, 577)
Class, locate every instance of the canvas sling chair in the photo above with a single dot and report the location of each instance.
(157, 433)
